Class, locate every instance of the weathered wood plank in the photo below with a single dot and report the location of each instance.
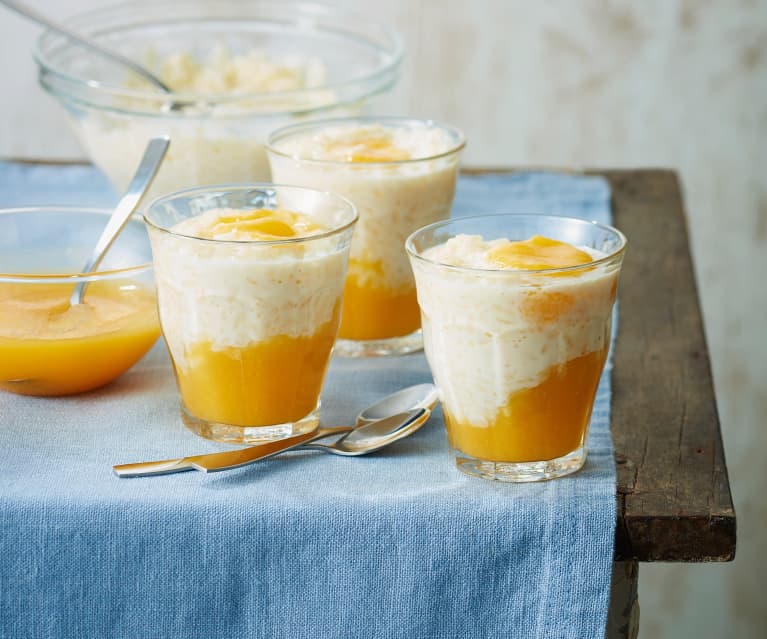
(673, 492)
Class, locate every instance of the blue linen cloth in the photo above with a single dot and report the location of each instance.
(397, 544)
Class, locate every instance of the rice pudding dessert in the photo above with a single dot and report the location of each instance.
(516, 334)
(216, 142)
(400, 174)
(250, 307)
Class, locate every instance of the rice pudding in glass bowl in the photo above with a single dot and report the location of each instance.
(239, 68)
(401, 174)
(517, 314)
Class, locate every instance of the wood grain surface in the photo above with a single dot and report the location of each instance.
(674, 501)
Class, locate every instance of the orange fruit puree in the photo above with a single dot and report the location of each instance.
(538, 253)
(269, 382)
(365, 145)
(50, 348)
(539, 423)
(261, 224)
(371, 312)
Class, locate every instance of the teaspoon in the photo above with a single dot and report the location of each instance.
(142, 180)
(377, 424)
(356, 441)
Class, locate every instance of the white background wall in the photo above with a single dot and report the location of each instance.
(597, 83)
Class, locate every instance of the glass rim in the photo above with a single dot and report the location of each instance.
(74, 278)
(229, 188)
(186, 115)
(288, 131)
(610, 257)
(395, 52)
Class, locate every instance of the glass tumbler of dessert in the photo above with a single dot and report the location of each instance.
(516, 313)
(400, 173)
(249, 286)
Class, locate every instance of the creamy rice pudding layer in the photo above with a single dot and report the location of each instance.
(235, 293)
(492, 332)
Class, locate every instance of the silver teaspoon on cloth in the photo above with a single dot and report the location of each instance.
(142, 180)
(401, 401)
(364, 439)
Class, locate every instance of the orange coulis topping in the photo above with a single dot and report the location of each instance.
(261, 224)
(365, 145)
(538, 253)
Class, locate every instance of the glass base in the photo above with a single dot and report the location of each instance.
(380, 347)
(520, 471)
(231, 434)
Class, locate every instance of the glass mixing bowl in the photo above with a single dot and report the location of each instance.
(216, 137)
(48, 347)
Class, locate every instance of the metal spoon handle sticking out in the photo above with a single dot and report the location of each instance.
(232, 458)
(380, 433)
(142, 180)
(43, 20)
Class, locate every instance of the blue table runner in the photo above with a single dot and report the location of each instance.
(397, 544)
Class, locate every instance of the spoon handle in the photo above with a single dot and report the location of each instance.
(43, 20)
(224, 460)
(147, 169)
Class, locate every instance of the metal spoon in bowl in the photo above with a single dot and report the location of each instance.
(45, 21)
(394, 417)
(142, 180)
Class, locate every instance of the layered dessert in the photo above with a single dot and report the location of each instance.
(250, 306)
(49, 347)
(516, 338)
(401, 175)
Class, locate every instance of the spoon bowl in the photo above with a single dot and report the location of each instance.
(409, 398)
(374, 435)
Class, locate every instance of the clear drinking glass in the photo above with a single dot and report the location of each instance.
(394, 197)
(250, 323)
(517, 354)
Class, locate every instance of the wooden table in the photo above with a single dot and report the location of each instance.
(674, 501)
